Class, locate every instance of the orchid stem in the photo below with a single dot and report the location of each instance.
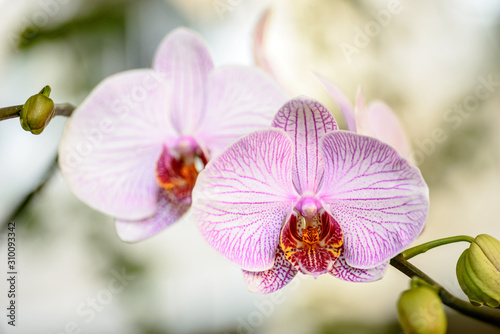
(488, 315)
(10, 112)
(420, 249)
(32, 194)
(61, 109)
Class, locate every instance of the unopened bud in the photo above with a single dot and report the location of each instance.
(37, 112)
(420, 311)
(478, 271)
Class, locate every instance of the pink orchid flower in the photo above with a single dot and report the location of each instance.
(304, 197)
(377, 120)
(133, 149)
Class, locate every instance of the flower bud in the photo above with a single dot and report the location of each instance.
(37, 112)
(420, 311)
(478, 271)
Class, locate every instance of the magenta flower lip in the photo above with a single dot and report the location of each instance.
(303, 196)
(134, 147)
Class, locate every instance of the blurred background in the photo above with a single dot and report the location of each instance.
(436, 63)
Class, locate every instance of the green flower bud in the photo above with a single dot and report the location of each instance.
(478, 271)
(37, 112)
(420, 311)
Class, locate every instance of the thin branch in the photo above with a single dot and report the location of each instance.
(64, 109)
(61, 109)
(488, 315)
(10, 112)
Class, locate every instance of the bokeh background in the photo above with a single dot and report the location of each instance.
(426, 59)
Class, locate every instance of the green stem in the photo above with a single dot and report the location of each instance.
(488, 315)
(411, 252)
(61, 109)
(10, 112)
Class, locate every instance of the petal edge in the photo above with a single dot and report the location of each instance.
(271, 280)
(183, 58)
(345, 272)
(240, 100)
(168, 213)
(379, 199)
(243, 196)
(111, 125)
(306, 121)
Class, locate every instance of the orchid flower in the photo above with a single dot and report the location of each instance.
(133, 149)
(377, 120)
(303, 196)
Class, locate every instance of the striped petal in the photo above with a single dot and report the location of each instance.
(184, 60)
(345, 272)
(305, 121)
(244, 195)
(112, 142)
(240, 100)
(271, 280)
(379, 199)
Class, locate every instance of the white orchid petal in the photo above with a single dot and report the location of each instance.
(244, 195)
(112, 142)
(169, 211)
(379, 199)
(184, 60)
(305, 121)
(240, 100)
